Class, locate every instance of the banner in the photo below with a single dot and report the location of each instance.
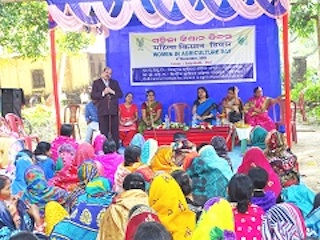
(193, 57)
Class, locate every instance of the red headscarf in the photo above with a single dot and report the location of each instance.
(254, 157)
(85, 151)
(141, 214)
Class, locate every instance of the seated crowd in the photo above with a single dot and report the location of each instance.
(77, 190)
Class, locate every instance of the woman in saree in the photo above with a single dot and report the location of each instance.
(151, 112)
(162, 160)
(138, 215)
(209, 174)
(312, 220)
(114, 222)
(216, 221)
(67, 177)
(87, 171)
(84, 152)
(258, 137)
(128, 117)
(204, 109)
(254, 157)
(85, 220)
(15, 215)
(283, 221)
(256, 110)
(232, 106)
(167, 199)
(132, 164)
(39, 192)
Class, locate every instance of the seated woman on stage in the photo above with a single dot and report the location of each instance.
(128, 116)
(232, 105)
(256, 110)
(204, 109)
(151, 112)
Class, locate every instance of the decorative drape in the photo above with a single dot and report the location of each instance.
(116, 14)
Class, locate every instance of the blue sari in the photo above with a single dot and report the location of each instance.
(206, 108)
(23, 162)
(7, 227)
(84, 222)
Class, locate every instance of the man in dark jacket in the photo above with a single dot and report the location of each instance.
(106, 92)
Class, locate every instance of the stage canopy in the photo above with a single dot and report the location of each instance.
(118, 20)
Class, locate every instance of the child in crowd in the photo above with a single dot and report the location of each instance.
(42, 155)
(152, 231)
(264, 199)
(247, 216)
(66, 132)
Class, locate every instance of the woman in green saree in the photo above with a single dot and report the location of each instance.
(151, 112)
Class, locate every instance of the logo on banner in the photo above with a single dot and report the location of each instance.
(140, 43)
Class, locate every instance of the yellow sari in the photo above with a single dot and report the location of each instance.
(167, 199)
(115, 219)
(162, 160)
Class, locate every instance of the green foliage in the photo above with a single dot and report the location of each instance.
(73, 42)
(24, 28)
(302, 17)
(42, 120)
(24, 31)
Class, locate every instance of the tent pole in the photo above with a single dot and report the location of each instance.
(54, 75)
(286, 62)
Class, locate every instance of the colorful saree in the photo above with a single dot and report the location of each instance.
(163, 160)
(85, 151)
(115, 219)
(312, 222)
(57, 142)
(216, 221)
(283, 222)
(98, 144)
(254, 157)
(151, 113)
(85, 220)
(141, 214)
(86, 172)
(206, 108)
(261, 119)
(167, 199)
(39, 192)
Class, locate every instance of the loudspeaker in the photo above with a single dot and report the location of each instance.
(11, 101)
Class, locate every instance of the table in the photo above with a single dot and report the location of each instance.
(243, 135)
(195, 135)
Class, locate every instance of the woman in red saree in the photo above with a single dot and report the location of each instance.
(128, 117)
(256, 110)
(151, 112)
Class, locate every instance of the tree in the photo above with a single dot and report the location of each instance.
(305, 20)
(24, 31)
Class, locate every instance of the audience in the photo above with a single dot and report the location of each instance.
(152, 231)
(43, 159)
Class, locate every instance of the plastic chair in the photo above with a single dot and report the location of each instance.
(180, 111)
(17, 127)
(71, 116)
(282, 118)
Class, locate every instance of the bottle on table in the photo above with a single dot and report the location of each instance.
(167, 121)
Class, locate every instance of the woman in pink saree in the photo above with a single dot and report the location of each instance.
(256, 110)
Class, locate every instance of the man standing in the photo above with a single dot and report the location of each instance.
(106, 92)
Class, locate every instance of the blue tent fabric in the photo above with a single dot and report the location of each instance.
(267, 62)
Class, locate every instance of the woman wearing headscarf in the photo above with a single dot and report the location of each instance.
(148, 150)
(162, 161)
(210, 175)
(283, 222)
(138, 215)
(87, 171)
(84, 152)
(284, 163)
(167, 199)
(85, 220)
(67, 177)
(258, 137)
(137, 140)
(23, 161)
(110, 160)
(220, 146)
(98, 144)
(216, 221)
(114, 222)
(254, 157)
(39, 192)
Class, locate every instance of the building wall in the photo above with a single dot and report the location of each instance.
(17, 73)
